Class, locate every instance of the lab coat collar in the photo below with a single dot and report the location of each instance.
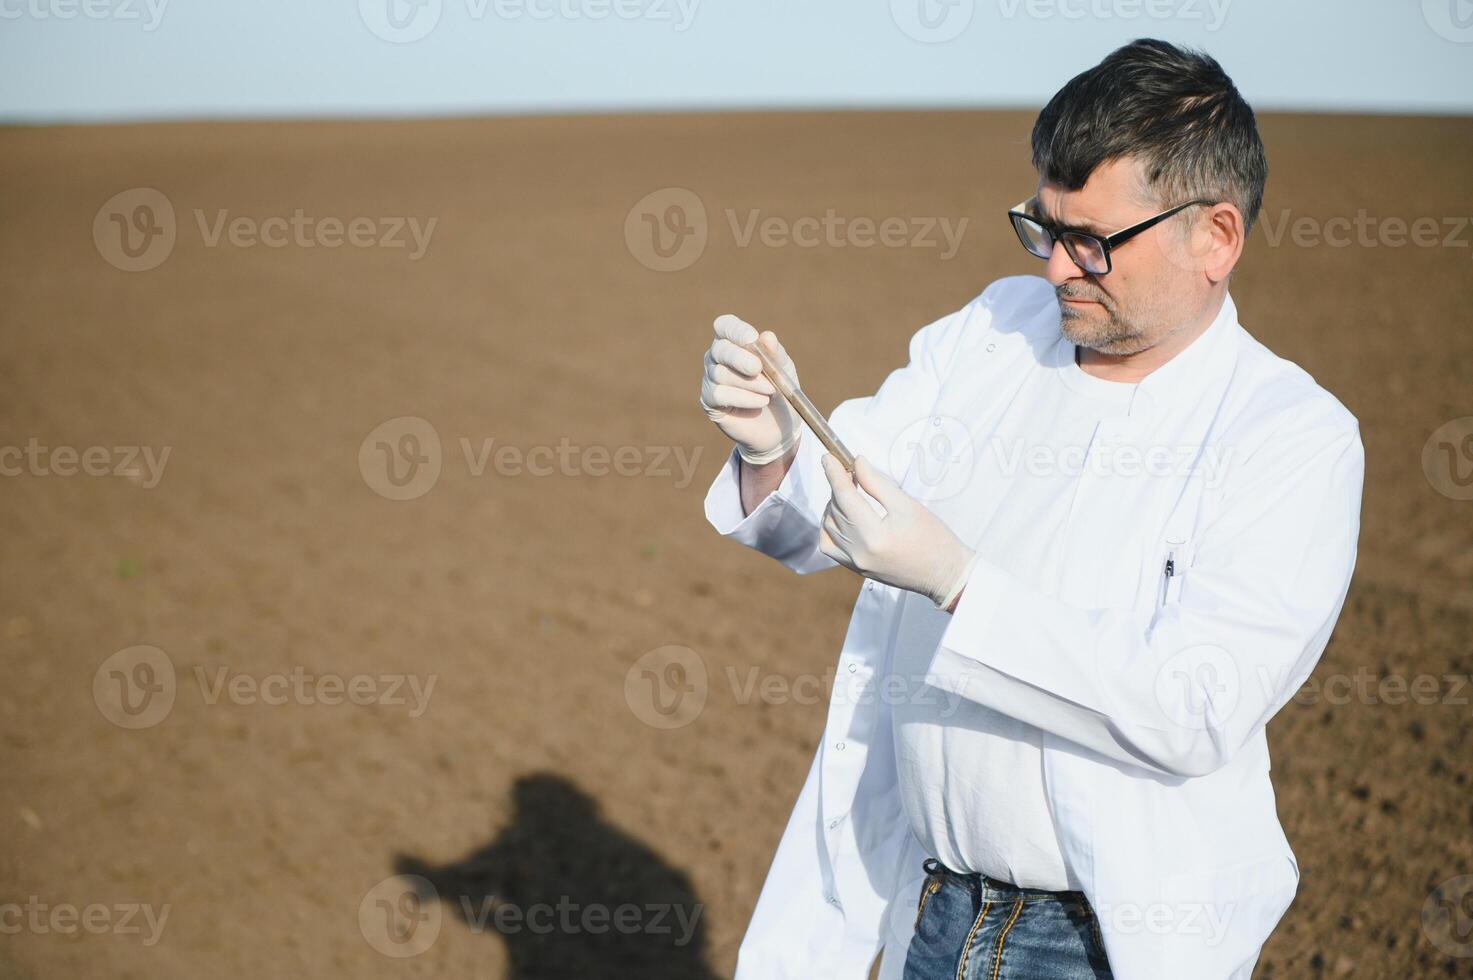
(1183, 381)
(1195, 372)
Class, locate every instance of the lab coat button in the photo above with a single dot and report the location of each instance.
(991, 348)
(839, 746)
(853, 668)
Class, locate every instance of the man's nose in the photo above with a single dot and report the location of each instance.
(1061, 268)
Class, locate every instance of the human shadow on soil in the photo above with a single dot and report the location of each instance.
(571, 895)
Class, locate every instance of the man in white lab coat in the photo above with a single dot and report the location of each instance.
(1105, 535)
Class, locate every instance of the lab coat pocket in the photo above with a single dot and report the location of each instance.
(1176, 548)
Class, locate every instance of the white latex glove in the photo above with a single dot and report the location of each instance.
(908, 547)
(744, 404)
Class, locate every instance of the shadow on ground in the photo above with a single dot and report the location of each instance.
(571, 895)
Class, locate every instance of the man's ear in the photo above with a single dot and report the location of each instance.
(1225, 235)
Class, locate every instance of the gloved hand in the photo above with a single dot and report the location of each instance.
(909, 547)
(740, 400)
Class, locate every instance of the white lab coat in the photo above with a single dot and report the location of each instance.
(1152, 691)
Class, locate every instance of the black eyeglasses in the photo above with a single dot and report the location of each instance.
(1090, 252)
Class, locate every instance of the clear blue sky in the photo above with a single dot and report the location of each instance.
(131, 59)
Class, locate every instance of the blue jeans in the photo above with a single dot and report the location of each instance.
(971, 927)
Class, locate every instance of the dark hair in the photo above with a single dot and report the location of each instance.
(1173, 108)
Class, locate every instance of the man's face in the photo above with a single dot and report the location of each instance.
(1153, 284)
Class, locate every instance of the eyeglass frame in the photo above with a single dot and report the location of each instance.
(1108, 243)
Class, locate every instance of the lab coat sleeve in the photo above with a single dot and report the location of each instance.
(786, 523)
(1180, 691)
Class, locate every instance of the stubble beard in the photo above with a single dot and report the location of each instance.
(1101, 328)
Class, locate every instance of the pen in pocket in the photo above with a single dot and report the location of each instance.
(1167, 574)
